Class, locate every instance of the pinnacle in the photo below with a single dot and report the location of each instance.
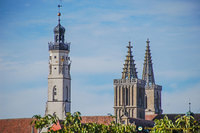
(148, 74)
(129, 70)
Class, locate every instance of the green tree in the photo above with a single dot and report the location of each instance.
(72, 124)
(163, 125)
(187, 123)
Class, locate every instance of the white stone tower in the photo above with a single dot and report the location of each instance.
(153, 91)
(59, 80)
(129, 92)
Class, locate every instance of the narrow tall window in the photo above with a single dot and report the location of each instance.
(157, 101)
(145, 101)
(54, 93)
(56, 38)
(67, 93)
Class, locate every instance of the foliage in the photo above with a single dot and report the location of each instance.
(185, 124)
(44, 122)
(162, 125)
(72, 124)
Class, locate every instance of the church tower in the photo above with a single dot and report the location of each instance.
(59, 79)
(129, 92)
(153, 91)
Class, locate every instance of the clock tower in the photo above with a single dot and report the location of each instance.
(59, 79)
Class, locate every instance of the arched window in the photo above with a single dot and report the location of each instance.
(56, 38)
(54, 93)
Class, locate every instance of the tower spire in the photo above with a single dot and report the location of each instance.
(189, 113)
(129, 70)
(148, 74)
(189, 106)
(59, 14)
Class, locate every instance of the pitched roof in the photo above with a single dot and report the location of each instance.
(150, 117)
(97, 119)
(142, 122)
(21, 125)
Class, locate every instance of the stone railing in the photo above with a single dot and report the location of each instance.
(134, 80)
(60, 46)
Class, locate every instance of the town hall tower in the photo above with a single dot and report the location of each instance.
(59, 79)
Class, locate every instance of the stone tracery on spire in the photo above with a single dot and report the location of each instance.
(148, 74)
(129, 70)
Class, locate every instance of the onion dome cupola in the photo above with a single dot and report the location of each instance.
(59, 32)
(59, 37)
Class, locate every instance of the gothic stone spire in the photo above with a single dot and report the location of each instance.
(129, 70)
(148, 74)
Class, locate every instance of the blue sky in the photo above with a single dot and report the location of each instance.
(99, 32)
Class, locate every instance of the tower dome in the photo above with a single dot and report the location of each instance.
(59, 37)
(59, 29)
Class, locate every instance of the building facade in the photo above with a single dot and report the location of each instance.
(133, 97)
(59, 79)
(129, 92)
(153, 91)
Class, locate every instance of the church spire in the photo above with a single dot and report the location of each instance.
(148, 74)
(129, 70)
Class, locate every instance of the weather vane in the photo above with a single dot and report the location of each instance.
(59, 14)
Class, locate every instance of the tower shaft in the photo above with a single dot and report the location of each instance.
(129, 92)
(153, 91)
(59, 79)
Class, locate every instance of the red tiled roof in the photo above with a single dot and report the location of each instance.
(142, 122)
(150, 117)
(21, 125)
(97, 119)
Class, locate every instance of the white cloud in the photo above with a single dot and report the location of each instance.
(90, 103)
(22, 71)
(23, 103)
(100, 64)
(178, 74)
(177, 101)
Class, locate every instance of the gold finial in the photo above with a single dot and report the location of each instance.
(59, 14)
